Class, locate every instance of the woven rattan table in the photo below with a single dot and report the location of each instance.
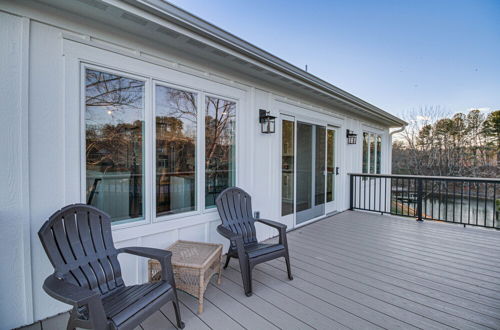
(194, 263)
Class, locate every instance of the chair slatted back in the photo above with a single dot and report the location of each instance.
(79, 244)
(235, 210)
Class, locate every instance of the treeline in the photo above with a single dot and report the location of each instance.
(459, 145)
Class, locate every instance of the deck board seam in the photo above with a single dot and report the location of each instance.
(269, 302)
(406, 270)
(428, 265)
(400, 297)
(398, 286)
(414, 254)
(434, 241)
(411, 313)
(330, 303)
(231, 297)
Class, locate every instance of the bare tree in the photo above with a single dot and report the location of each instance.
(436, 143)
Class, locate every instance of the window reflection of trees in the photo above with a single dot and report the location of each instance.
(220, 118)
(175, 150)
(114, 143)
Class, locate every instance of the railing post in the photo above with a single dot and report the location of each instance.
(420, 193)
(351, 192)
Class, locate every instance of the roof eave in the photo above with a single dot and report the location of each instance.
(201, 27)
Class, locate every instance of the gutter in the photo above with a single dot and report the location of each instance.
(203, 28)
(399, 130)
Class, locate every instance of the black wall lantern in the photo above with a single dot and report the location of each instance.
(351, 137)
(267, 122)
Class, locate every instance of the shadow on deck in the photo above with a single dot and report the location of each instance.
(361, 271)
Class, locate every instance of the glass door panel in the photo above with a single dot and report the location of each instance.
(330, 166)
(319, 196)
(304, 167)
(331, 170)
(310, 172)
(287, 166)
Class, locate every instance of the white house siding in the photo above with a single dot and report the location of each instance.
(14, 213)
(39, 129)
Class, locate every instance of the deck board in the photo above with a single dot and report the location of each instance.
(359, 270)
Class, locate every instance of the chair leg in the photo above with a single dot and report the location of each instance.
(227, 261)
(248, 291)
(246, 275)
(70, 326)
(71, 321)
(177, 310)
(289, 270)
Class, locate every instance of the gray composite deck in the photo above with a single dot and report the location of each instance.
(360, 271)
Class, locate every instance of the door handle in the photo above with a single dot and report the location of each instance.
(337, 170)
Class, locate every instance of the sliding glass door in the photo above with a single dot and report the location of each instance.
(308, 170)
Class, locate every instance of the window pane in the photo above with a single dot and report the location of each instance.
(175, 150)
(379, 153)
(372, 153)
(220, 125)
(365, 152)
(287, 171)
(114, 125)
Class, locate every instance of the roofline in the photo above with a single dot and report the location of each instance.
(201, 27)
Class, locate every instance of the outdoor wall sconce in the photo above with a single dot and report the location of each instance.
(351, 137)
(267, 122)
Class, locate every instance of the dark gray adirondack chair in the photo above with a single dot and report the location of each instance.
(79, 244)
(238, 225)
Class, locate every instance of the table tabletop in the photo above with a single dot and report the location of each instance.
(193, 254)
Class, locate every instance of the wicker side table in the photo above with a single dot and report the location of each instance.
(194, 263)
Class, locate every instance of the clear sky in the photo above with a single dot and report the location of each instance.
(399, 55)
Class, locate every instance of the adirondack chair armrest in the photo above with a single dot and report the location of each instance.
(163, 256)
(271, 223)
(228, 233)
(236, 238)
(69, 293)
(279, 226)
(146, 252)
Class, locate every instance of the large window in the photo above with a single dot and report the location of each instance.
(135, 144)
(220, 125)
(372, 151)
(114, 132)
(176, 116)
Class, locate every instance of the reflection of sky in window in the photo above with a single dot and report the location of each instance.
(177, 104)
(112, 100)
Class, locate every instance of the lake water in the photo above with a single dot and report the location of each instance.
(475, 211)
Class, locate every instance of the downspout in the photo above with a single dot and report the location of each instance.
(399, 130)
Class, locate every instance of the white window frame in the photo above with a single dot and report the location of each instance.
(199, 118)
(146, 138)
(375, 136)
(149, 168)
(202, 154)
(108, 58)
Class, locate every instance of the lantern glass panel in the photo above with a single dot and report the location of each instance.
(272, 125)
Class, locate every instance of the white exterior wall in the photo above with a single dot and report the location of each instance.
(41, 147)
(15, 273)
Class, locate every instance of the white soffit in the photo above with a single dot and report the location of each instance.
(160, 21)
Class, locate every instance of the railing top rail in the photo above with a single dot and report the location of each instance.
(446, 178)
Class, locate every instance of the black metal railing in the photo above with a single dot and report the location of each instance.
(467, 201)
